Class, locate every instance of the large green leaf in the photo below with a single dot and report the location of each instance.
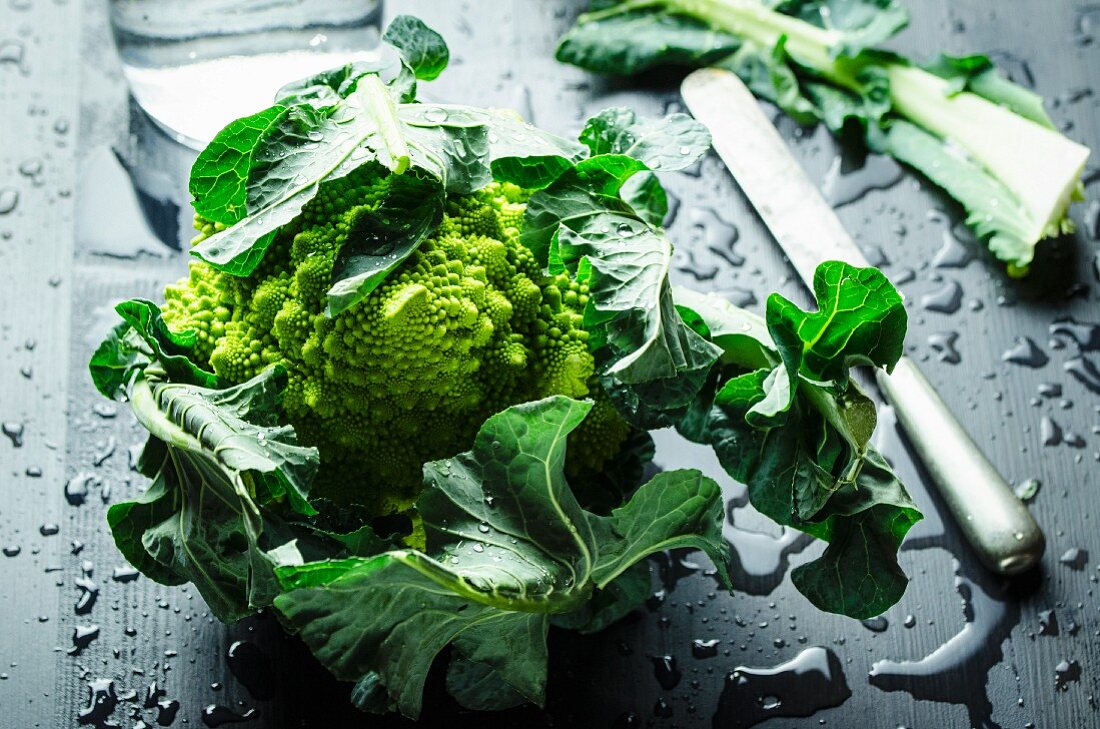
(638, 38)
(141, 340)
(858, 24)
(509, 545)
(227, 471)
(786, 420)
(652, 363)
(424, 49)
(862, 320)
(309, 147)
(672, 142)
(380, 240)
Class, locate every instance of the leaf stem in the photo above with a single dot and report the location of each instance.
(148, 412)
(382, 109)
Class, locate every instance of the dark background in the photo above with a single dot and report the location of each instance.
(74, 239)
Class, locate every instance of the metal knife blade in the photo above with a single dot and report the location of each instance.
(997, 525)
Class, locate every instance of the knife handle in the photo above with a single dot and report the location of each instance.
(994, 521)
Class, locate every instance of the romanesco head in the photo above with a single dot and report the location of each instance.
(465, 327)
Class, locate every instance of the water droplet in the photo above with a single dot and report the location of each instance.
(14, 432)
(102, 701)
(844, 185)
(12, 550)
(1048, 622)
(944, 300)
(943, 344)
(1084, 371)
(166, 711)
(108, 450)
(1026, 353)
(76, 489)
(629, 720)
(48, 530)
(124, 573)
(1050, 432)
(953, 253)
(876, 625)
(811, 681)
(215, 716)
(666, 672)
(483, 527)
(1074, 558)
(435, 114)
(83, 636)
(1065, 673)
(1085, 334)
(662, 708)
(89, 593)
(704, 648)
(951, 672)
(9, 198)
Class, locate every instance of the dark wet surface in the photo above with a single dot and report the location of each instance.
(85, 640)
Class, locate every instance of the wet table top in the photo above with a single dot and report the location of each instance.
(1017, 360)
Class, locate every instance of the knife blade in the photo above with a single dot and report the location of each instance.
(1000, 529)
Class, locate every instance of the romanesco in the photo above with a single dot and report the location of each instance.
(465, 327)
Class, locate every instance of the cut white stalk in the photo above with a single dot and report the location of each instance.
(1039, 166)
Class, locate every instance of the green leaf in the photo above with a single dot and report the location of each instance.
(380, 240)
(861, 24)
(140, 341)
(768, 74)
(673, 510)
(653, 364)
(219, 184)
(862, 320)
(423, 49)
(858, 575)
(647, 196)
(992, 211)
(510, 545)
(786, 420)
(668, 143)
(228, 477)
(525, 155)
(628, 41)
(478, 687)
(978, 75)
(510, 656)
(326, 89)
(308, 147)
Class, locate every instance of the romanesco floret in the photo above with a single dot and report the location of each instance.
(465, 327)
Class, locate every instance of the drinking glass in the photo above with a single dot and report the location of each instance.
(194, 65)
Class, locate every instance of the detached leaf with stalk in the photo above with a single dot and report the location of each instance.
(983, 139)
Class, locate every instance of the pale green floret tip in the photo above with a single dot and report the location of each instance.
(465, 327)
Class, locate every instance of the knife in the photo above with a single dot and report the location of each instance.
(994, 521)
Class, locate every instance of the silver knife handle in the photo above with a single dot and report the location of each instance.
(994, 521)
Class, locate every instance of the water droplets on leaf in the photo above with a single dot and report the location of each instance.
(437, 115)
